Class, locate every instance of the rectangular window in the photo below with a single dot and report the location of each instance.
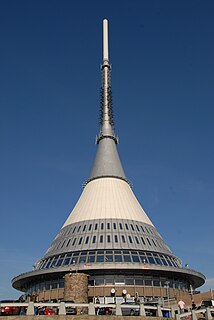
(79, 229)
(142, 228)
(102, 226)
(95, 227)
(132, 226)
(108, 238)
(101, 239)
(121, 226)
(137, 227)
(137, 241)
(154, 243)
(80, 241)
(90, 226)
(130, 239)
(109, 258)
(68, 242)
(118, 258)
(86, 240)
(84, 228)
(74, 242)
(127, 227)
(108, 226)
(100, 258)
(123, 239)
(135, 258)
(115, 238)
(94, 239)
(148, 241)
(143, 240)
(114, 225)
(91, 259)
(127, 258)
(74, 229)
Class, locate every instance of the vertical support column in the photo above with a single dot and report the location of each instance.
(30, 309)
(76, 287)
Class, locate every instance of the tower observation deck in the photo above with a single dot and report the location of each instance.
(108, 235)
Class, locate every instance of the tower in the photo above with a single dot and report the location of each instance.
(108, 235)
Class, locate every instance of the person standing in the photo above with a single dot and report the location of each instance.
(182, 306)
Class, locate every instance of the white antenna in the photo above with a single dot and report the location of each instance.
(105, 40)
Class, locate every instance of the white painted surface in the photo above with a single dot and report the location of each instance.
(107, 198)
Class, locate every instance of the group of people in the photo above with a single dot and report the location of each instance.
(182, 306)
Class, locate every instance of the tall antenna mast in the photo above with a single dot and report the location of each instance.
(106, 114)
(105, 40)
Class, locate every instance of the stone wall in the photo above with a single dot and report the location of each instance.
(76, 287)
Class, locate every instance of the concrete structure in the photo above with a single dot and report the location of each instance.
(108, 235)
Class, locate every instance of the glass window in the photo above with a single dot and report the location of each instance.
(148, 282)
(68, 242)
(80, 241)
(90, 226)
(108, 226)
(135, 258)
(95, 227)
(123, 239)
(108, 238)
(63, 244)
(148, 241)
(137, 241)
(101, 239)
(137, 227)
(143, 240)
(115, 238)
(132, 226)
(121, 226)
(87, 239)
(100, 258)
(143, 258)
(158, 261)
(154, 243)
(82, 259)
(102, 226)
(109, 258)
(74, 242)
(99, 280)
(61, 283)
(127, 258)
(79, 229)
(67, 261)
(169, 262)
(76, 254)
(114, 225)
(74, 229)
(118, 258)
(59, 262)
(130, 239)
(142, 228)
(139, 282)
(91, 259)
(156, 283)
(84, 228)
(94, 239)
(129, 281)
(151, 260)
(127, 227)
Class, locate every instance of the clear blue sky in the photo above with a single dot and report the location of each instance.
(162, 79)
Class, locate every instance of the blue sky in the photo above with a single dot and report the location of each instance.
(162, 81)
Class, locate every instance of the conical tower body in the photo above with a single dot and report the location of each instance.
(108, 235)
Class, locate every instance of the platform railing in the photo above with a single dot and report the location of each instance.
(92, 308)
